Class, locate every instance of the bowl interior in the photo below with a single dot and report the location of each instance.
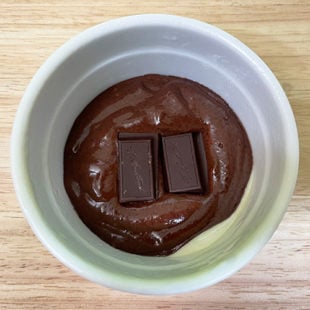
(118, 50)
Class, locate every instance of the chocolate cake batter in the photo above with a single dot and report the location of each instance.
(166, 105)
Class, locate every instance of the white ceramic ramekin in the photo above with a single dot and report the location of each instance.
(133, 46)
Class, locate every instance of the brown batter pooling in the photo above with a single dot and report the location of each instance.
(166, 105)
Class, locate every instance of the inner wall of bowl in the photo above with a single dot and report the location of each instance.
(119, 56)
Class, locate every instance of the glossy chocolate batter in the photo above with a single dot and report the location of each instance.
(165, 105)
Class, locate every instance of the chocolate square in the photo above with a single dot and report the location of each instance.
(136, 180)
(181, 169)
(154, 137)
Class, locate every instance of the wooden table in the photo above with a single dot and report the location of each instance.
(278, 31)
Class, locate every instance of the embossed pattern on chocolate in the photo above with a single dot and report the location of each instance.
(180, 163)
(136, 169)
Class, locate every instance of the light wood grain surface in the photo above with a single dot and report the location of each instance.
(278, 31)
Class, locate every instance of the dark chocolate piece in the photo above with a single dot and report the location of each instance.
(180, 164)
(201, 160)
(136, 180)
(154, 137)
